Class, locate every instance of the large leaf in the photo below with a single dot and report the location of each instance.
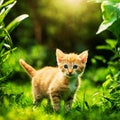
(105, 24)
(11, 26)
(111, 14)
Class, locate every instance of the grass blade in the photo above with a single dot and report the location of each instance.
(5, 11)
(11, 26)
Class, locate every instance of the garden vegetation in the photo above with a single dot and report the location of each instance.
(99, 95)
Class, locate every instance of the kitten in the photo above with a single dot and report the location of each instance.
(58, 83)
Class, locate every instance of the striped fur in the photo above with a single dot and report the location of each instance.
(58, 83)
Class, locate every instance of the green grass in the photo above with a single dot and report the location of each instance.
(17, 105)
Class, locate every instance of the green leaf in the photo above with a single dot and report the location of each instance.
(7, 45)
(7, 36)
(101, 58)
(6, 55)
(108, 82)
(5, 11)
(105, 25)
(2, 34)
(2, 79)
(115, 29)
(112, 43)
(6, 3)
(16, 22)
(110, 15)
(104, 47)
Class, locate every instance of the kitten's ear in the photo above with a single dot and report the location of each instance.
(59, 55)
(83, 56)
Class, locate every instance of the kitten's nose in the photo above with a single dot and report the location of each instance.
(70, 72)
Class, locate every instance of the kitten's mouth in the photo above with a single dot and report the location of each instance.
(69, 75)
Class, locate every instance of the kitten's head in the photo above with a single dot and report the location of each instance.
(71, 64)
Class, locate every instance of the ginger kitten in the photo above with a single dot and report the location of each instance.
(58, 83)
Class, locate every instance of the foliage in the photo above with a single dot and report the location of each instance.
(6, 45)
(111, 16)
(111, 87)
(97, 99)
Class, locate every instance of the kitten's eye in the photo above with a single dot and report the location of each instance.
(75, 66)
(65, 66)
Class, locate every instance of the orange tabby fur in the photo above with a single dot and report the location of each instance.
(58, 83)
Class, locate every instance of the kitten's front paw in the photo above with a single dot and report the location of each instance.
(56, 109)
(68, 107)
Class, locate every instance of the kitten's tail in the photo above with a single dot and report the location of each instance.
(27, 67)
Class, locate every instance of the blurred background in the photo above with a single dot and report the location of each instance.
(69, 25)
